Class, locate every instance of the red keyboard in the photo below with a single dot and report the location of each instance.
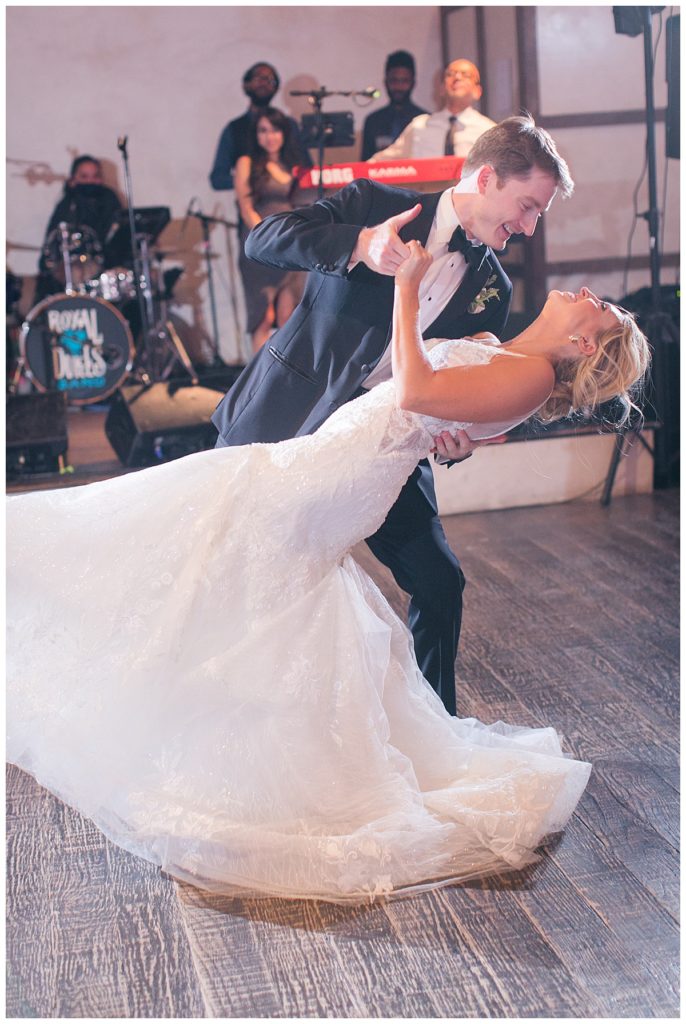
(392, 172)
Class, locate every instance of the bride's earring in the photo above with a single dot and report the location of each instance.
(575, 337)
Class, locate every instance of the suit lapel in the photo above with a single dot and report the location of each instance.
(419, 227)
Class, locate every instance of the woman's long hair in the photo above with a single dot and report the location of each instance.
(288, 155)
(615, 371)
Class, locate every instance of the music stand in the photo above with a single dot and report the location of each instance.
(330, 130)
(149, 221)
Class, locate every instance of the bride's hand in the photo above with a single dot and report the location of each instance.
(413, 268)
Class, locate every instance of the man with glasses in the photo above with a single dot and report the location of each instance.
(451, 131)
(260, 85)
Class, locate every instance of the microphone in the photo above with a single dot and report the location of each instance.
(321, 93)
(121, 143)
(371, 92)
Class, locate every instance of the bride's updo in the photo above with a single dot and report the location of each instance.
(615, 370)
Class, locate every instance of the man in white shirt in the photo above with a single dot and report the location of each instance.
(451, 131)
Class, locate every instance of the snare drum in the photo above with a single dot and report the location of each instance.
(77, 345)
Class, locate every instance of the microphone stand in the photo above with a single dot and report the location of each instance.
(315, 98)
(205, 221)
(145, 323)
(66, 260)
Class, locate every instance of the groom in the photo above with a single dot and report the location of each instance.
(336, 343)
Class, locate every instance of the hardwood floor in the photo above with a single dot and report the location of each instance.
(571, 620)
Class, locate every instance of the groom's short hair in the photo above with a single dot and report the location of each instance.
(514, 147)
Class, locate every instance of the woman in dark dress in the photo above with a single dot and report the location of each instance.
(265, 184)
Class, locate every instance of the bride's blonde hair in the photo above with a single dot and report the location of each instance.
(615, 370)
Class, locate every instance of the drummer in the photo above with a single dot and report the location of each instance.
(86, 203)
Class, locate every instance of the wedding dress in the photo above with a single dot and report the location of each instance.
(197, 663)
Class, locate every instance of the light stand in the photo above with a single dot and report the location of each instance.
(658, 326)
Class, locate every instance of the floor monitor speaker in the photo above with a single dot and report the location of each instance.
(148, 424)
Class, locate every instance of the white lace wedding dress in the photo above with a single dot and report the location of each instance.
(197, 663)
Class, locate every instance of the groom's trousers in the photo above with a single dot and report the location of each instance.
(412, 544)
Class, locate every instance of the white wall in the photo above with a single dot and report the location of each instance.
(169, 78)
(585, 67)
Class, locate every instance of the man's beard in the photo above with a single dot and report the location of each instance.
(260, 101)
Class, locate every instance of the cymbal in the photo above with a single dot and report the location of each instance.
(21, 246)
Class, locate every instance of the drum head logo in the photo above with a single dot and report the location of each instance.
(77, 355)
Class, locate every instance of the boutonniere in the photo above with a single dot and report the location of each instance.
(487, 293)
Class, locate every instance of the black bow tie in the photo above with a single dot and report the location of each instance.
(473, 254)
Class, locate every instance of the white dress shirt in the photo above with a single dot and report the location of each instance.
(425, 135)
(438, 285)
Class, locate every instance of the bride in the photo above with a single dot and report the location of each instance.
(196, 662)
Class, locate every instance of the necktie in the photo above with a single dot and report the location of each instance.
(473, 254)
(449, 146)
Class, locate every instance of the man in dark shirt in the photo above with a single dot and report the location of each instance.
(260, 85)
(86, 204)
(385, 125)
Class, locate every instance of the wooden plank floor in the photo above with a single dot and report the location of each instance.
(571, 620)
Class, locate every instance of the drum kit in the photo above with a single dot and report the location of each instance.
(80, 342)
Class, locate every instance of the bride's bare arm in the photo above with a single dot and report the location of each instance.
(505, 388)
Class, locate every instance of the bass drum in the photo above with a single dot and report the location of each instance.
(77, 345)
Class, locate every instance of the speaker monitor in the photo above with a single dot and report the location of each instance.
(36, 432)
(628, 21)
(160, 422)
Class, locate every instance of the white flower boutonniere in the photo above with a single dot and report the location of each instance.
(487, 293)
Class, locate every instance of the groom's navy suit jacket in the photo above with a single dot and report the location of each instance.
(335, 337)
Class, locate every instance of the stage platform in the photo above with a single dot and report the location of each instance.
(522, 472)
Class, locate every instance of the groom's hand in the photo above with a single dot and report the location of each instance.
(459, 446)
(381, 248)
